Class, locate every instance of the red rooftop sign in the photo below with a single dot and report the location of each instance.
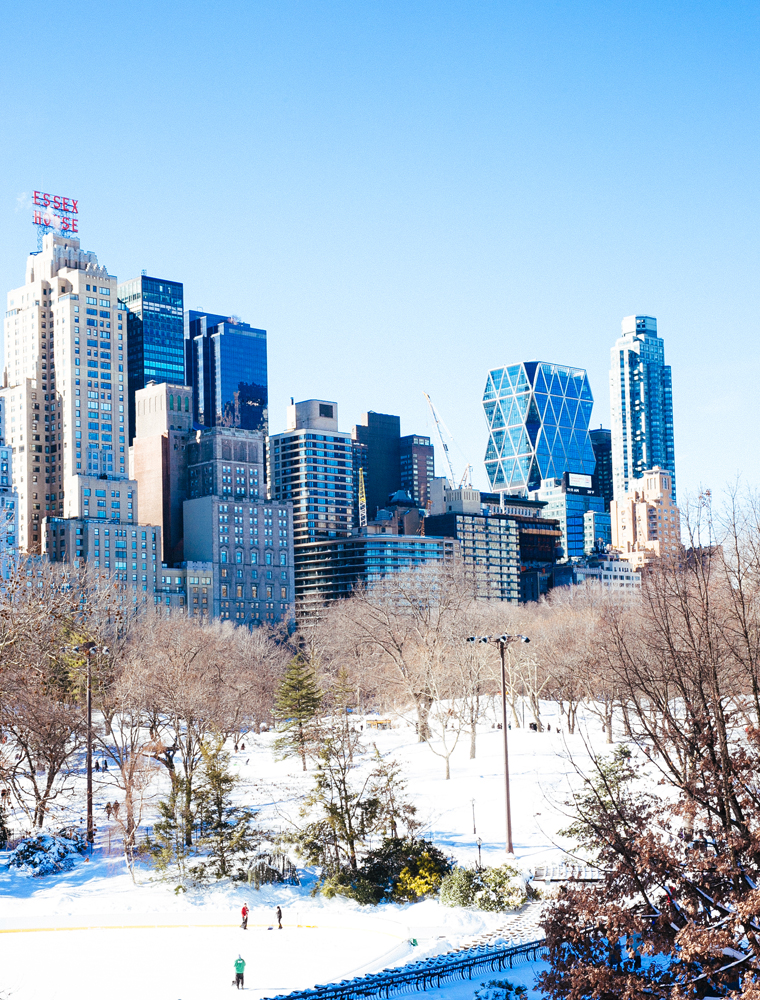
(55, 212)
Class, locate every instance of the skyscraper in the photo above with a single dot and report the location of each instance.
(226, 364)
(65, 385)
(538, 416)
(247, 539)
(158, 459)
(311, 463)
(381, 434)
(391, 462)
(417, 467)
(156, 334)
(641, 403)
(601, 442)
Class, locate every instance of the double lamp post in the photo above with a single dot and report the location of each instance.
(503, 641)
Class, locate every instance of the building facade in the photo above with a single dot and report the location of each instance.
(641, 405)
(538, 417)
(610, 571)
(127, 552)
(311, 465)
(597, 532)
(601, 442)
(391, 462)
(226, 364)
(65, 384)
(158, 460)
(250, 546)
(154, 311)
(188, 588)
(416, 467)
(646, 523)
(8, 505)
(331, 568)
(568, 500)
(226, 462)
(489, 543)
(380, 433)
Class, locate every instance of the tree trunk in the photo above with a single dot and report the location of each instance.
(423, 703)
(473, 736)
(187, 812)
(572, 711)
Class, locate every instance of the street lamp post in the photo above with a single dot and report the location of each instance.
(503, 641)
(88, 649)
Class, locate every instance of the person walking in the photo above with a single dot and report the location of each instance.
(279, 918)
(245, 911)
(239, 970)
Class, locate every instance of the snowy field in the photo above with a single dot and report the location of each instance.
(93, 931)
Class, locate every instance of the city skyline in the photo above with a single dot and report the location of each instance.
(452, 178)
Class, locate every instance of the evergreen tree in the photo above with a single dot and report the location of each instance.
(345, 812)
(167, 847)
(393, 807)
(227, 834)
(297, 706)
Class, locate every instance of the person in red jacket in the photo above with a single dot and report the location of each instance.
(245, 911)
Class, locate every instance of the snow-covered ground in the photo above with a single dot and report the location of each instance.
(93, 930)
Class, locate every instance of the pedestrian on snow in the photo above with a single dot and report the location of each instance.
(239, 970)
(279, 918)
(97, 765)
(245, 911)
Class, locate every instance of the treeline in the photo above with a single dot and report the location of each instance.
(163, 685)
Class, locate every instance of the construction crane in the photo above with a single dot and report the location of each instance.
(466, 479)
(362, 500)
(438, 424)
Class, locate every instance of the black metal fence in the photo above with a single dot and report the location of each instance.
(428, 974)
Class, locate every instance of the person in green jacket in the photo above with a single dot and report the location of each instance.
(239, 970)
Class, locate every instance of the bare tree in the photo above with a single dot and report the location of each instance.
(408, 618)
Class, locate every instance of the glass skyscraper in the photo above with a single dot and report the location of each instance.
(155, 334)
(226, 364)
(641, 403)
(538, 416)
(601, 442)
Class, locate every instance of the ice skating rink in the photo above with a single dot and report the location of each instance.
(185, 963)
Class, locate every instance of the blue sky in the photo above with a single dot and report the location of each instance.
(406, 195)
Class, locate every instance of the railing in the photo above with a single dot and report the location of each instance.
(567, 873)
(428, 974)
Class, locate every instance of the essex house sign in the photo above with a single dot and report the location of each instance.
(53, 211)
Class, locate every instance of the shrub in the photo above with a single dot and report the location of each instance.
(349, 884)
(496, 889)
(499, 989)
(400, 869)
(503, 889)
(459, 886)
(422, 876)
(46, 854)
